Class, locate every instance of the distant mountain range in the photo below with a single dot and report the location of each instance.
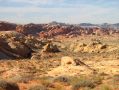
(104, 25)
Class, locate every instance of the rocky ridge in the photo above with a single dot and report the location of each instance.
(55, 29)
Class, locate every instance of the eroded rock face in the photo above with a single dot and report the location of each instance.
(15, 49)
(20, 49)
(5, 26)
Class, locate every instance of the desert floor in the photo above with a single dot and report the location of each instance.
(101, 69)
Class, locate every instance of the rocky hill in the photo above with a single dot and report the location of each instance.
(54, 29)
(6, 26)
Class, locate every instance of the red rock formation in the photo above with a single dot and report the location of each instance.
(32, 29)
(57, 29)
(5, 26)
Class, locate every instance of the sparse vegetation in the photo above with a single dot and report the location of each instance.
(89, 82)
(62, 79)
(20, 79)
(38, 87)
(116, 78)
(106, 87)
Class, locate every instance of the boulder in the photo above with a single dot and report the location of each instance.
(71, 67)
(66, 60)
(50, 48)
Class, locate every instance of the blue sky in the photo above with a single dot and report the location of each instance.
(68, 11)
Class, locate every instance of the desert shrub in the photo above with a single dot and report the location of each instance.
(8, 85)
(83, 83)
(20, 79)
(47, 84)
(97, 79)
(38, 87)
(116, 78)
(46, 81)
(89, 82)
(45, 78)
(106, 87)
(63, 79)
